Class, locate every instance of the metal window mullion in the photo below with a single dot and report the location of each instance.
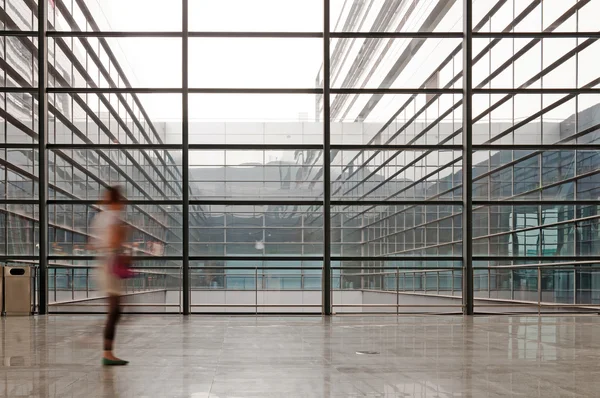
(43, 155)
(185, 158)
(467, 170)
(575, 157)
(326, 279)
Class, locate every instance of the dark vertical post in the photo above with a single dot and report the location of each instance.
(467, 154)
(326, 167)
(185, 158)
(42, 155)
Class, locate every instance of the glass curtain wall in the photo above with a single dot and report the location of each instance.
(315, 156)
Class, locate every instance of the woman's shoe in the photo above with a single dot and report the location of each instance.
(114, 362)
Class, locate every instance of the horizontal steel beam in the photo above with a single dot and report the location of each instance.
(92, 257)
(529, 202)
(19, 202)
(394, 147)
(267, 202)
(113, 90)
(178, 90)
(396, 258)
(226, 268)
(91, 202)
(535, 147)
(225, 202)
(265, 34)
(290, 147)
(396, 202)
(29, 90)
(256, 147)
(179, 34)
(528, 90)
(138, 269)
(256, 305)
(535, 35)
(407, 91)
(83, 34)
(20, 33)
(116, 147)
(266, 90)
(18, 146)
(77, 303)
(177, 147)
(536, 258)
(253, 90)
(295, 90)
(396, 35)
(383, 268)
(247, 35)
(397, 305)
(256, 258)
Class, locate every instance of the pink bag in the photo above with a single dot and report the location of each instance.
(122, 266)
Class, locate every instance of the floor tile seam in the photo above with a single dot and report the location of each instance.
(219, 358)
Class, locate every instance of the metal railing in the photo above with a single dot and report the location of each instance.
(540, 286)
(76, 285)
(553, 286)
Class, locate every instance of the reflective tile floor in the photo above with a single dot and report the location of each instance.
(172, 356)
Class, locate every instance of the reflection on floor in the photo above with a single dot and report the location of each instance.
(172, 356)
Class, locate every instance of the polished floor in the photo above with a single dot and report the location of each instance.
(172, 356)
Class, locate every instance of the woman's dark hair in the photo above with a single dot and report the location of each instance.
(114, 194)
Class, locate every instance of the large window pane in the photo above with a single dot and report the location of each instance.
(396, 63)
(256, 286)
(117, 15)
(401, 119)
(380, 15)
(115, 118)
(19, 15)
(397, 175)
(256, 15)
(107, 62)
(269, 230)
(18, 174)
(254, 119)
(143, 174)
(254, 62)
(396, 286)
(396, 230)
(19, 230)
(247, 174)
(156, 230)
(156, 287)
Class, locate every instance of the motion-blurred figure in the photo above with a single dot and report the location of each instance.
(109, 238)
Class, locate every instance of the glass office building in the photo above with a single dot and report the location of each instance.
(317, 156)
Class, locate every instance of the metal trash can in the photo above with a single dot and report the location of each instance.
(17, 291)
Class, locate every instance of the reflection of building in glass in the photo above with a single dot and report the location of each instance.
(430, 175)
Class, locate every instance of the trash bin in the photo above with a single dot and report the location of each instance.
(17, 291)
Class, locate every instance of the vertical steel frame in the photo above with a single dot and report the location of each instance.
(185, 159)
(42, 154)
(467, 155)
(326, 279)
(467, 167)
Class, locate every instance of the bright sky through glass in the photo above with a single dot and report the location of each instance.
(295, 63)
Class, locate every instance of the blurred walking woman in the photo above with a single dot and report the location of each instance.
(109, 237)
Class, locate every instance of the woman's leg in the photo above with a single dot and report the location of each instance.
(114, 313)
